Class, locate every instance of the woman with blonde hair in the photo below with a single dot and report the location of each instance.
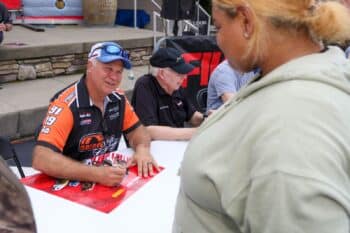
(276, 157)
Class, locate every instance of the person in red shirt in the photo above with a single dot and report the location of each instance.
(88, 119)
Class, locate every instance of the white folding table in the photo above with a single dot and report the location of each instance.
(149, 210)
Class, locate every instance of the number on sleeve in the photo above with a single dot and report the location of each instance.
(50, 120)
(55, 110)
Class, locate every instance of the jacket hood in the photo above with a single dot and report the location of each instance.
(330, 67)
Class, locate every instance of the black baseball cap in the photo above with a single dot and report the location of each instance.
(170, 57)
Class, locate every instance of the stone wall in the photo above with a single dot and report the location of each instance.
(46, 67)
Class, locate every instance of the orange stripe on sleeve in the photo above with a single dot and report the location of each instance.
(130, 117)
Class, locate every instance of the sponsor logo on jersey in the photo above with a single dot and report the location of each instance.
(163, 107)
(114, 116)
(85, 115)
(85, 122)
(91, 142)
(179, 103)
(70, 97)
(114, 109)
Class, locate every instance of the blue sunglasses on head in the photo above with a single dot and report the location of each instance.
(113, 50)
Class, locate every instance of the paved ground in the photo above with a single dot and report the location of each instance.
(24, 43)
(70, 34)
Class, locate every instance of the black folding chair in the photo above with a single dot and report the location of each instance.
(201, 98)
(7, 152)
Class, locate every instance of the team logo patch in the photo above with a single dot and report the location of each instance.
(91, 142)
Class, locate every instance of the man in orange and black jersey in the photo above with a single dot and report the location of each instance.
(87, 119)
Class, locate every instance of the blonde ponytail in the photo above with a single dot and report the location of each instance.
(330, 22)
(327, 21)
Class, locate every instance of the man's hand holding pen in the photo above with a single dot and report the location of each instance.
(112, 173)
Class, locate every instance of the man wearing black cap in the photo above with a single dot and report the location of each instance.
(159, 100)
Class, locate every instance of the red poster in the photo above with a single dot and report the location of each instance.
(98, 197)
